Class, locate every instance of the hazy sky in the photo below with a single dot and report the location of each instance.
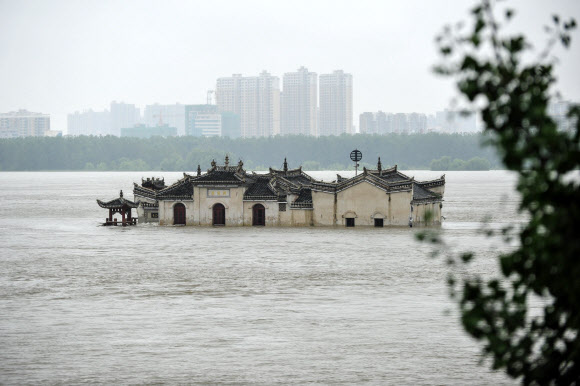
(58, 56)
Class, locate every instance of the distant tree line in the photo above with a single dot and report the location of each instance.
(446, 163)
(420, 151)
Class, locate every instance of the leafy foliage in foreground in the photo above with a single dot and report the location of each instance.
(185, 153)
(513, 99)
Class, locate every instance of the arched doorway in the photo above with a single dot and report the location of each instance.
(219, 215)
(179, 214)
(258, 215)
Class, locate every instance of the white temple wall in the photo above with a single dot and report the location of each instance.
(323, 213)
(400, 208)
(301, 217)
(146, 214)
(361, 201)
(232, 203)
(142, 214)
(285, 217)
(166, 211)
(271, 212)
(420, 211)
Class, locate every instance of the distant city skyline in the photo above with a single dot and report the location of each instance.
(62, 56)
(206, 120)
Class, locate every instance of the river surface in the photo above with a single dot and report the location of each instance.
(83, 303)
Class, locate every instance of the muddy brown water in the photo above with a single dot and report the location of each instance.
(83, 303)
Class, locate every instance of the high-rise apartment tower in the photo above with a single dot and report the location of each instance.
(299, 103)
(256, 99)
(335, 103)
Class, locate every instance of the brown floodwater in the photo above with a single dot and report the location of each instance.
(83, 303)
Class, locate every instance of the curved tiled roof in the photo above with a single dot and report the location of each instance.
(181, 190)
(304, 196)
(117, 203)
(296, 176)
(433, 183)
(220, 176)
(145, 204)
(276, 184)
(153, 183)
(261, 189)
(420, 194)
(143, 192)
(303, 201)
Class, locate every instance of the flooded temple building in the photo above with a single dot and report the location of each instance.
(228, 195)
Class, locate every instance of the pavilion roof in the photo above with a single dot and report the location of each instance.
(117, 203)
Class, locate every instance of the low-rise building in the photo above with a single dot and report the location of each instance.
(229, 196)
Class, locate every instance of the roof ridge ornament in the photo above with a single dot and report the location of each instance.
(227, 161)
(121, 194)
(213, 164)
(285, 165)
(199, 170)
(379, 166)
(240, 166)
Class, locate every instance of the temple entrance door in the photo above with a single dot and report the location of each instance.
(219, 214)
(179, 214)
(258, 215)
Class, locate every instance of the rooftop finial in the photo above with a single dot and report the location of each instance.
(227, 160)
(240, 166)
(121, 194)
(198, 170)
(285, 165)
(213, 163)
(379, 165)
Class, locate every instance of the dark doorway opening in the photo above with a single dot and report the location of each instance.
(258, 215)
(219, 215)
(379, 222)
(350, 222)
(179, 214)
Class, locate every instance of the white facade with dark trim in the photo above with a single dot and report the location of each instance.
(230, 196)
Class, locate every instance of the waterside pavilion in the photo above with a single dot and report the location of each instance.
(119, 205)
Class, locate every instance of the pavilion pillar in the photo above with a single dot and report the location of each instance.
(123, 214)
(110, 214)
